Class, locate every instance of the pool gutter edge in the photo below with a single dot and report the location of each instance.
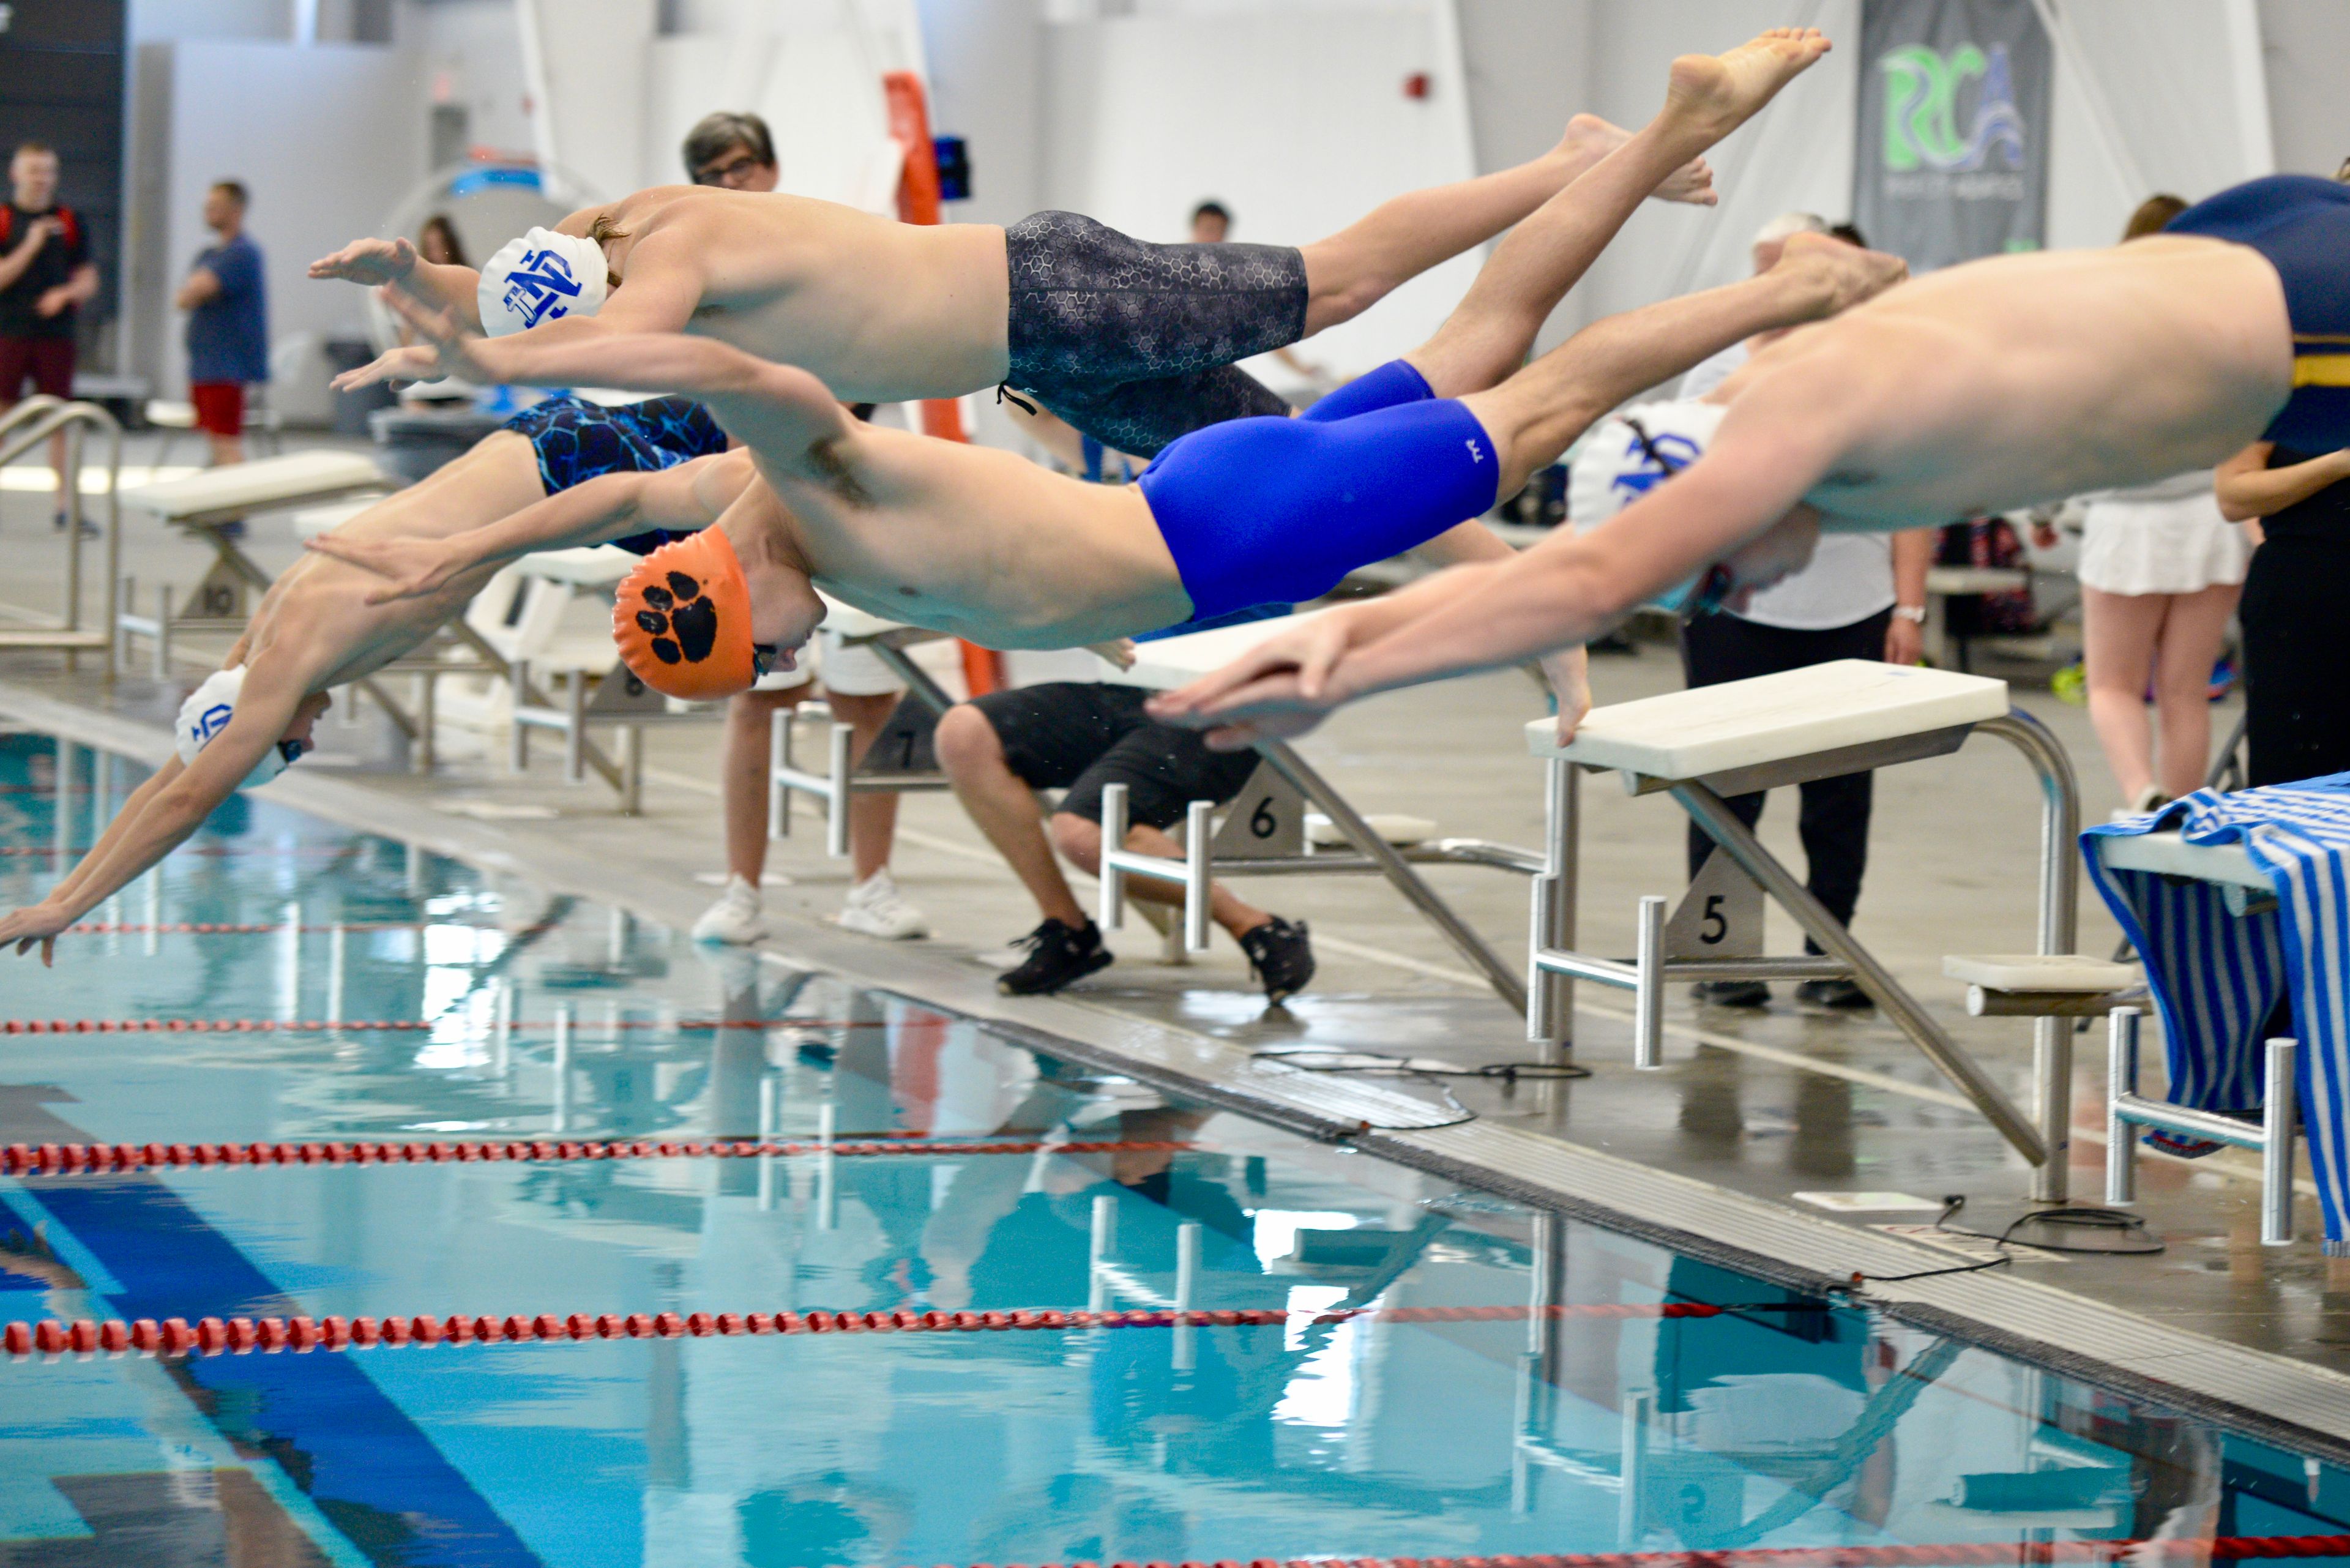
(2293, 1403)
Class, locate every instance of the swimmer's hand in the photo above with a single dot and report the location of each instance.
(1273, 707)
(1569, 674)
(412, 362)
(447, 349)
(1118, 651)
(1282, 687)
(369, 262)
(36, 923)
(415, 566)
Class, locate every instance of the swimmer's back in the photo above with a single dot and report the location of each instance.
(2018, 379)
(880, 311)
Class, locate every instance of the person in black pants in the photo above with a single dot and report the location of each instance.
(1860, 596)
(2296, 639)
(1079, 736)
(1833, 817)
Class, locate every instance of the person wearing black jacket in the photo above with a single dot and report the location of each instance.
(45, 277)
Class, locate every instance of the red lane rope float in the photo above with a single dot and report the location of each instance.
(229, 929)
(242, 1335)
(409, 1025)
(104, 1159)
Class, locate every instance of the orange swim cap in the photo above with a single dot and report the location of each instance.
(682, 619)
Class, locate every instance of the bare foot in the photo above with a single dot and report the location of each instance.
(1715, 94)
(1846, 274)
(1589, 139)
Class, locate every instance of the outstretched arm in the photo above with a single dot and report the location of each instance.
(161, 812)
(1562, 592)
(664, 287)
(372, 263)
(687, 497)
(1567, 670)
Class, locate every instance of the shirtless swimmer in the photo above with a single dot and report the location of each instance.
(317, 628)
(1131, 343)
(1984, 386)
(988, 546)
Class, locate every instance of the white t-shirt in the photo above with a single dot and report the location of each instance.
(1851, 575)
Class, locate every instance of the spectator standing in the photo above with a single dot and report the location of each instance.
(45, 277)
(736, 151)
(228, 322)
(2160, 572)
(2296, 639)
(1861, 595)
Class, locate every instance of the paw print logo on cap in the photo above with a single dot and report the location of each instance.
(682, 624)
(682, 619)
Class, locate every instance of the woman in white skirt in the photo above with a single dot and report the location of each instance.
(2160, 572)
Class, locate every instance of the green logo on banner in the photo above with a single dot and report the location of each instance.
(1921, 109)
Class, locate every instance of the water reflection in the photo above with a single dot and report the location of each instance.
(1782, 1421)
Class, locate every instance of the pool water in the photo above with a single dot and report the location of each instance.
(1785, 1423)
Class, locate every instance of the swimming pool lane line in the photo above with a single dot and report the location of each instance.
(52, 1337)
(110, 1158)
(396, 1026)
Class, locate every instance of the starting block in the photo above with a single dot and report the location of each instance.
(1710, 744)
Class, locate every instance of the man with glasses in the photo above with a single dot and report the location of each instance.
(733, 151)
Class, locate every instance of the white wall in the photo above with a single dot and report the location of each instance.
(2159, 95)
(986, 82)
(277, 118)
(2304, 45)
(471, 51)
(584, 67)
(1297, 124)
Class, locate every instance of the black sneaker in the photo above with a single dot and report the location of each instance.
(1732, 993)
(1280, 956)
(1057, 955)
(1841, 994)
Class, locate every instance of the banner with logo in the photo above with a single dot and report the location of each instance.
(1953, 157)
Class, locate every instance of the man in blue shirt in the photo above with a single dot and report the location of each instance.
(228, 323)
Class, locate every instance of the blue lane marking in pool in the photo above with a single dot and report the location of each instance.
(361, 1456)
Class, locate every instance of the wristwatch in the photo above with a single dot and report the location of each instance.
(1911, 612)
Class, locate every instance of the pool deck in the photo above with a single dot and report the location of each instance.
(1707, 1156)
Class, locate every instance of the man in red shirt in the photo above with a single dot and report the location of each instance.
(46, 277)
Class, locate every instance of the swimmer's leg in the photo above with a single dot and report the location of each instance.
(1536, 414)
(1709, 97)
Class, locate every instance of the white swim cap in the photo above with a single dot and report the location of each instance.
(206, 713)
(542, 277)
(1633, 452)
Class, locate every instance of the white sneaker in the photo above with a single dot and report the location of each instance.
(734, 919)
(876, 909)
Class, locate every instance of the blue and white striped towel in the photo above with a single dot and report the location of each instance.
(2216, 976)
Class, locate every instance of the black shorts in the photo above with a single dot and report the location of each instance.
(577, 441)
(1080, 735)
(1133, 343)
